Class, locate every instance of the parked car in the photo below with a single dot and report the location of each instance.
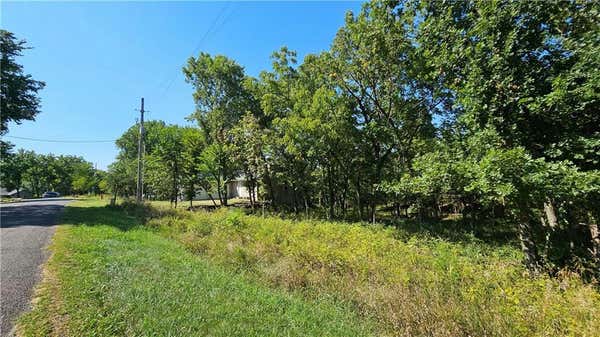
(50, 194)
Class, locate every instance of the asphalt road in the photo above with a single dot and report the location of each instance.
(25, 231)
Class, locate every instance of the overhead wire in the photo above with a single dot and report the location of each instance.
(213, 28)
(61, 140)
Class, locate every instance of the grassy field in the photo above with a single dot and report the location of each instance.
(224, 273)
(109, 276)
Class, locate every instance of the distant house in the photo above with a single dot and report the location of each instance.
(23, 193)
(238, 188)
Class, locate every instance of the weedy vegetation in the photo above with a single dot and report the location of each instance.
(414, 285)
(153, 270)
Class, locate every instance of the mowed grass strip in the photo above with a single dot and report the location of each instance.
(109, 277)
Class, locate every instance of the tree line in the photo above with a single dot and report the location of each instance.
(488, 109)
(31, 173)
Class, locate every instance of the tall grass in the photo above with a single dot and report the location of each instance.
(412, 285)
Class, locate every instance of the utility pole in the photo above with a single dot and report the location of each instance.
(140, 168)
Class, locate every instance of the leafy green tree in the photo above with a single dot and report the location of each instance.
(128, 142)
(13, 167)
(528, 69)
(521, 69)
(121, 178)
(220, 99)
(483, 108)
(371, 62)
(125, 174)
(40, 173)
(249, 140)
(84, 178)
(18, 95)
(170, 153)
(193, 144)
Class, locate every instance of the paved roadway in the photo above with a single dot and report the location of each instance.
(25, 230)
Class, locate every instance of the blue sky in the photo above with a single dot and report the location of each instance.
(99, 58)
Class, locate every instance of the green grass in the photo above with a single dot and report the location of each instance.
(108, 276)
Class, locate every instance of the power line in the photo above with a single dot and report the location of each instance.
(212, 26)
(61, 140)
(140, 157)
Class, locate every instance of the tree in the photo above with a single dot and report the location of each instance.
(220, 100)
(18, 94)
(527, 69)
(170, 152)
(487, 109)
(125, 172)
(13, 167)
(193, 145)
(121, 178)
(128, 142)
(249, 142)
(40, 173)
(372, 57)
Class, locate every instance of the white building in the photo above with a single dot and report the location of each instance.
(236, 188)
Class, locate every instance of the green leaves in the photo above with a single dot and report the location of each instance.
(520, 68)
(18, 94)
(37, 173)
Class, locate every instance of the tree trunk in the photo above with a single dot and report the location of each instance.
(331, 193)
(295, 198)
(550, 214)
(257, 192)
(175, 187)
(306, 205)
(113, 200)
(269, 181)
(528, 246)
(212, 199)
(549, 222)
(595, 236)
(225, 193)
(373, 211)
(359, 200)
(344, 198)
(574, 240)
(251, 189)
(192, 191)
(219, 194)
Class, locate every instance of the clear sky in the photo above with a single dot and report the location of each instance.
(99, 58)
